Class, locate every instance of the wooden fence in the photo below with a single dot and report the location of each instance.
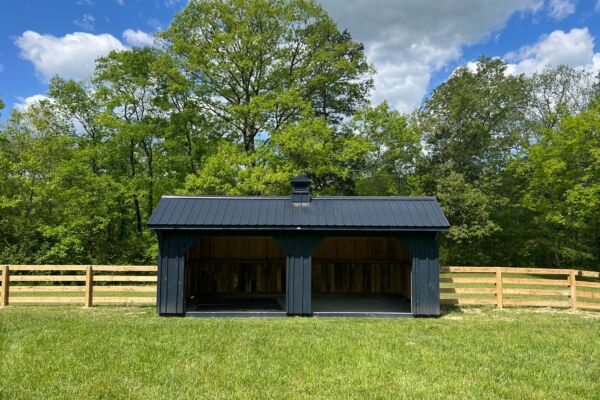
(533, 287)
(78, 284)
(110, 284)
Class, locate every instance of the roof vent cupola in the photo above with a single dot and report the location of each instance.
(301, 190)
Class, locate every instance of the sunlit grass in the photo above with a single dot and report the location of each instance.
(128, 352)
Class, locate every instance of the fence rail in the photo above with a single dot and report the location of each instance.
(510, 286)
(78, 284)
(136, 284)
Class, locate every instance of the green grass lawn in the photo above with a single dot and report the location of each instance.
(68, 352)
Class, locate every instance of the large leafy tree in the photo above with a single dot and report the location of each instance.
(473, 123)
(259, 65)
(274, 77)
(473, 127)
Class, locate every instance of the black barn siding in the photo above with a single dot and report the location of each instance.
(299, 248)
(425, 273)
(171, 271)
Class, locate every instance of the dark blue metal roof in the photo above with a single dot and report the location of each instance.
(280, 213)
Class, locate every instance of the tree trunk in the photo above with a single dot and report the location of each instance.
(150, 164)
(136, 202)
(190, 151)
(138, 214)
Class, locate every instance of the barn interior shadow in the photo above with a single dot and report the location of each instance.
(235, 274)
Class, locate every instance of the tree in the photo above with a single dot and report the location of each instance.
(260, 65)
(78, 103)
(395, 148)
(473, 123)
(53, 207)
(309, 146)
(473, 127)
(130, 92)
(557, 92)
(563, 174)
(271, 77)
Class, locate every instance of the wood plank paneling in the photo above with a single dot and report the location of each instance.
(355, 265)
(125, 300)
(235, 265)
(536, 303)
(357, 278)
(531, 281)
(47, 299)
(468, 301)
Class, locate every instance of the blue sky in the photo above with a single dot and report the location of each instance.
(414, 44)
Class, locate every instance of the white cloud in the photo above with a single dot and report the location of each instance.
(138, 38)
(25, 103)
(86, 22)
(574, 48)
(560, 9)
(597, 8)
(410, 40)
(472, 67)
(155, 24)
(1, 68)
(171, 3)
(71, 56)
(120, 2)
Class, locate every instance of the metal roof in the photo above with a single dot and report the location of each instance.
(280, 213)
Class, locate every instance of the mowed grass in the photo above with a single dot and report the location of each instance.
(69, 352)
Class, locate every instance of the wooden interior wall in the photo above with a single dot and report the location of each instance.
(361, 265)
(235, 265)
(250, 265)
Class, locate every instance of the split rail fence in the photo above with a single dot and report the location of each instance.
(128, 284)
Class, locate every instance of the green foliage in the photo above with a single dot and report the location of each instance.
(556, 93)
(395, 148)
(53, 208)
(472, 127)
(309, 146)
(243, 95)
(563, 190)
(259, 65)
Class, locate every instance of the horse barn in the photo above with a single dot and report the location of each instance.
(298, 255)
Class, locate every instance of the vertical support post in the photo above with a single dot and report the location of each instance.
(89, 286)
(298, 247)
(5, 285)
(572, 290)
(499, 293)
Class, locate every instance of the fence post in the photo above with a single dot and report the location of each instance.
(5, 285)
(499, 297)
(573, 290)
(89, 286)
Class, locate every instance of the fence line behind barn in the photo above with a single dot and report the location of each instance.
(78, 284)
(130, 284)
(510, 286)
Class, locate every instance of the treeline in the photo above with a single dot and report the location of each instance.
(237, 97)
